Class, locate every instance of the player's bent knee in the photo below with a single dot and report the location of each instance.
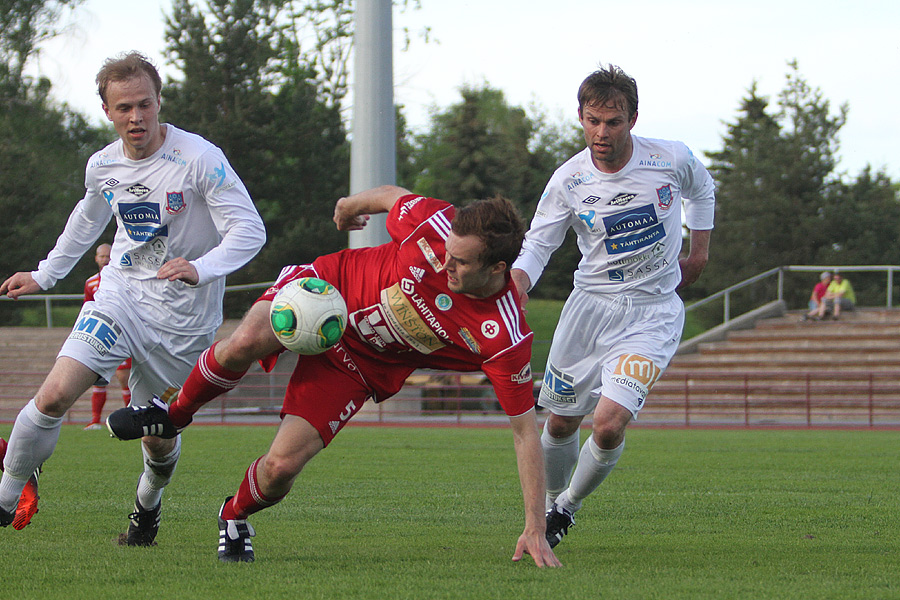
(563, 426)
(280, 471)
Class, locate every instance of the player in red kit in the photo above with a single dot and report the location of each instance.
(98, 390)
(438, 295)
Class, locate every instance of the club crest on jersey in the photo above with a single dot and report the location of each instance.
(443, 302)
(108, 196)
(665, 196)
(175, 202)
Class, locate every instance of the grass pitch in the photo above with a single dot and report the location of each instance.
(435, 513)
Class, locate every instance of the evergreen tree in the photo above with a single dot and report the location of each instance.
(774, 177)
(481, 147)
(44, 147)
(247, 89)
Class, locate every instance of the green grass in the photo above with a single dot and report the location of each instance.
(434, 513)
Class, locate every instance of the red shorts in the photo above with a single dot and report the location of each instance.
(325, 389)
(126, 364)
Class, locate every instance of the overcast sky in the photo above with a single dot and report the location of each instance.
(693, 60)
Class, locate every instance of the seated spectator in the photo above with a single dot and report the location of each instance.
(817, 298)
(840, 296)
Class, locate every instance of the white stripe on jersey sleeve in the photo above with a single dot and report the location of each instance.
(440, 223)
(509, 310)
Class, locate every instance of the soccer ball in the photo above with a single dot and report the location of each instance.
(308, 315)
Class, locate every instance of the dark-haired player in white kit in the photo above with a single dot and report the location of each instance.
(184, 221)
(438, 295)
(622, 323)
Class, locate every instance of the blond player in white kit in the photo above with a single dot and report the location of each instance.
(622, 323)
(184, 221)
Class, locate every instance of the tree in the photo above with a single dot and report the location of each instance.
(481, 147)
(775, 175)
(247, 89)
(24, 24)
(43, 149)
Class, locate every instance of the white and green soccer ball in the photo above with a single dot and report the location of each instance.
(308, 315)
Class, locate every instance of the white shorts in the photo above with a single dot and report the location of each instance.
(107, 333)
(616, 346)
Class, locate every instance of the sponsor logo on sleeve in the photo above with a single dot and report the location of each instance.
(523, 376)
(408, 206)
(218, 179)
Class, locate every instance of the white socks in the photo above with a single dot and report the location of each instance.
(31, 442)
(594, 464)
(560, 456)
(156, 476)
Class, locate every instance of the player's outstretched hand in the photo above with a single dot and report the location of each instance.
(536, 545)
(179, 269)
(20, 284)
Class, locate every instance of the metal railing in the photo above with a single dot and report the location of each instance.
(778, 273)
(49, 299)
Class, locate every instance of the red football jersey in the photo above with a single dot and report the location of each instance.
(90, 287)
(402, 315)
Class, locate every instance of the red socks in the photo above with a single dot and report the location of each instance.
(98, 399)
(208, 380)
(248, 499)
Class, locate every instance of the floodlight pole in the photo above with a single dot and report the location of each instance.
(373, 152)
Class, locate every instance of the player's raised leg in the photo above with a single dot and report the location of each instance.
(219, 369)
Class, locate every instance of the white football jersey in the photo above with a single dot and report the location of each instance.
(628, 224)
(183, 201)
